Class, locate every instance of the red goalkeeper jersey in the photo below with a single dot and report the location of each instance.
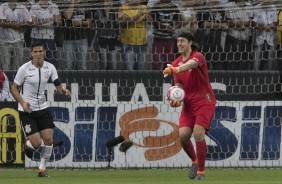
(196, 83)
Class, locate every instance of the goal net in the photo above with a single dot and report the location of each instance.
(245, 131)
(108, 104)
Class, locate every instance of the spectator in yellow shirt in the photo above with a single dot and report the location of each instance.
(133, 17)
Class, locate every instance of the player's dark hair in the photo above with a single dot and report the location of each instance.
(189, 36)
(38, 44)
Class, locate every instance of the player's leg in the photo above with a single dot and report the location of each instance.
(32, 143)
(201, 148)
(185, 131)
(203, 120)
(55, 143)
(47, 137)
(185, 135)
(30, 130)
(36, 139)
(45, 126)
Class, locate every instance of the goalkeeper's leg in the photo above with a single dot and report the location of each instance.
(185, 134)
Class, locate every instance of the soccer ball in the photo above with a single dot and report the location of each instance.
(175, 93)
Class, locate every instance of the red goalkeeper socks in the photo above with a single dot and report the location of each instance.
(201, 148)
(189, 149)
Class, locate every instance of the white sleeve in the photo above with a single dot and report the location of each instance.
(230, 13)
(54, 73)
(274, 16)
(20, 76)
(55, 10)
(32, 11)
(23, 14)
(2, 12)
(255, 19)
(250, 12)
(152, 3)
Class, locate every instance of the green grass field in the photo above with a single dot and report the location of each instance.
(142, 176)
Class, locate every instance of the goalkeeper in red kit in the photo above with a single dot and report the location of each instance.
(190, 72)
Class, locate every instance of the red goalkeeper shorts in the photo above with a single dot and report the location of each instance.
(201, 115)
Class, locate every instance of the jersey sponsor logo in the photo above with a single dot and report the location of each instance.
(180, 63)
(30, 75)
(195, 59)
(27, 128)
(208, 97)
(46, 74)
(31, 69)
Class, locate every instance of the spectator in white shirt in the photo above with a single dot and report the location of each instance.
(188, 10)
(45, 15)
(212, 32)
(238, 39)
(265, 23)
(14, 19)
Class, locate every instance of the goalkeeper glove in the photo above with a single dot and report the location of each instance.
(170, 70)
(175, 104)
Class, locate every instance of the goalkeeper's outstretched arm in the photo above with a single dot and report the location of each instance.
(170, 70)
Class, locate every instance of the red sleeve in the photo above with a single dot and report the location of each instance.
(175, 62)
(199, 58)
(176, 79)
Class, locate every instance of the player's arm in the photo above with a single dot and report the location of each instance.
(60, 88)
(170, 70)
(123, 17)
(15, 91)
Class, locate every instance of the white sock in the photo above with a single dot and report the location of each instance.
(42, 143)
(28, 144)
(45, 156)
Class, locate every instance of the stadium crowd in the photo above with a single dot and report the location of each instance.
(141, 34)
